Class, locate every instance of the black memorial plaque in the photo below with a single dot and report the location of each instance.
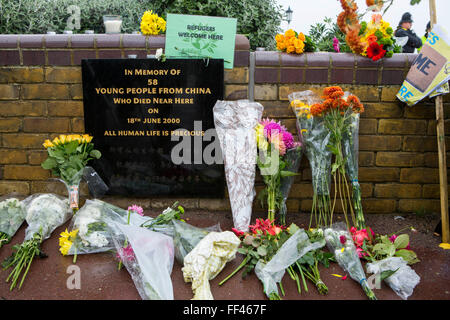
(132, 107)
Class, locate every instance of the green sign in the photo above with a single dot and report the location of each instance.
(201, 36)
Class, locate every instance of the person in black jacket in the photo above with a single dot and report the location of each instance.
(404, 30)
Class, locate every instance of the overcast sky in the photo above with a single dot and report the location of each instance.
(309, 12)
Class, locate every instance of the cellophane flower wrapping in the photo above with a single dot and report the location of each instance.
(346, 255)
(12, 215)
(235, 122)
(187, 236)
(315, 138)
(293, 159)
(207, 260)
(150, 261)
(44, 213)
(294, 248)
(350, 146)
(403, 281)
(97, 187)
(91, 220)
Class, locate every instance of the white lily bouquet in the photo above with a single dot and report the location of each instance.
(148, 257)
(44, 213)
(12, 215)
(340, 243)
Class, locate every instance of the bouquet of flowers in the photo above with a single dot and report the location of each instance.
(12, 215)
(235, 122)
(274, 141)
(260, 243)
(207, 260)
(390, 257)
(308, 264)
(89, 230)
(67, 158)
(162, 222)
(186, 237)
(315, 138)
(340, 243)
(374, 247)
(148, 257)
(270, 250)
(379, 37)
(271, 271)
(152, 24)
(294, 42)
(374, 39)
(337, 111)
(44, 213)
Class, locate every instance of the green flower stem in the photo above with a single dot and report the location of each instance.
(349, 197)
(303, 277)
(294, 276)
(75, 256)
(282, 289)
(28, 268)
(22, 258)
(313, 274)
(4, 239)
(274, 296)
(369, 293)
(360, 222)
(243, 263)
(271, 203)
(397, 232)
(289, 270)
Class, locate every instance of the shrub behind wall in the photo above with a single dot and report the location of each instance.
(258, 19)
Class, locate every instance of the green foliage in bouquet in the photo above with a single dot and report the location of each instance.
(383, 246)
(172, 213)
(308, 265)
(68, 155)
(261, 243)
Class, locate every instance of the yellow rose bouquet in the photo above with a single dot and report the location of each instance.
(68, 155)
(293, 42)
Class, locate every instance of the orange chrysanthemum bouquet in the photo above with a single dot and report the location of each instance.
(330, 127)
(340, 112)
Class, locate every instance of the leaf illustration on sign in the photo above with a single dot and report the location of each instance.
(203, 42)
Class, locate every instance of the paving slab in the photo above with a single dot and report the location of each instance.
(100, 278)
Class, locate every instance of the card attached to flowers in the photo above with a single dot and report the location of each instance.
(193, 36)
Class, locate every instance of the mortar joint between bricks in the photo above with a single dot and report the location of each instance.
(380, 73)
(95, 48)
(279, 69)
(122, 51)
(20, 51)
(330, 65)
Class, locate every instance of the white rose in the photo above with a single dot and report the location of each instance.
(159, 53)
